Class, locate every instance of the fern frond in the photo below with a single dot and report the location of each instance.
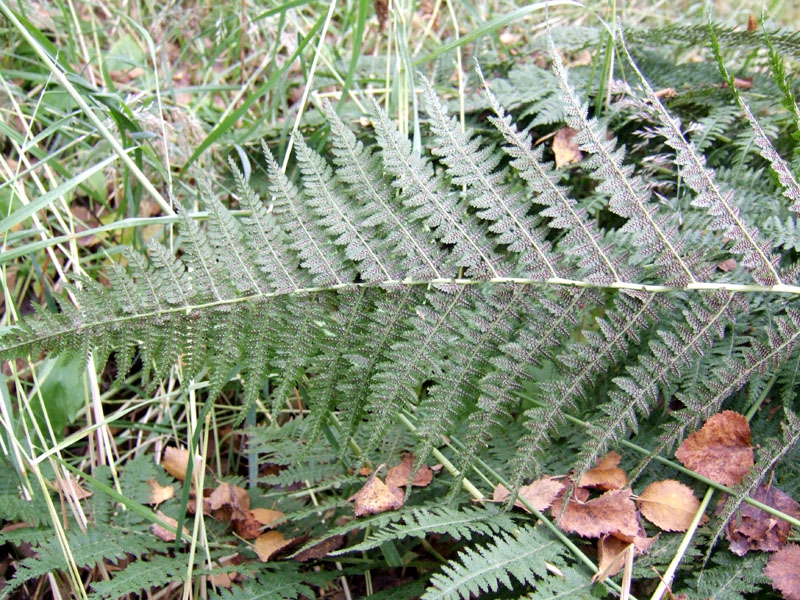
(422, 191)
(791, 189)
(360, 168)
(97, 544)
(635, 393)
(487, 568)
(755, 251)
(472, 163)
(308, 238)
(332, 212)
(266, 238)
(139, 576)
(629, 194)
(458, 524)
(583, 238)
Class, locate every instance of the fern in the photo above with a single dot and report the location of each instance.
(485, 569)
(436, 286)
(458, 524)
(140, 575)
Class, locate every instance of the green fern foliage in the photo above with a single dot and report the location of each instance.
(467, 289)
(509, 561)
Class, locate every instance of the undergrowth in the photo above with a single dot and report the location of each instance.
(341, 362)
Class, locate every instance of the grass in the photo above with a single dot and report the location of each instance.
(113, 112)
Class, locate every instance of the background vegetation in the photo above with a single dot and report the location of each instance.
(115, 114)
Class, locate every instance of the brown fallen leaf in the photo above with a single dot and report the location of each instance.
(726, 265)
(175, 462)
(163, 533)
(613, 511)
(753, 529)
(565, 148)
(266, 516)
(641, 542)
(720, 450)
(229, 502)
(269, 543)
(256, 522)
(666, 93)
(783, 569)
(376, 497)
(540, 494)
(611, 553)
(320, 550)
(669, 504)
(752, 23)
(159, 493)
(399, 474)
(606, 475)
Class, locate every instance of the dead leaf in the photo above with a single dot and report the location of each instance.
(67, 485)
(669, 504)
(381, 12)
(727, 265)
(613, 511)
(229, 502)
(163, 533)
(540, 494)
(159, 493)
(266, 516)
(610, 557)
(269, 543)
(255, 522)
(667, 93)
(399, 474)
(753, 529)
(322, 549)
(565, 149)
(223, 580)
(640, 542)
(376, 497)
(783, 569)
(606, 475)
(720, 450)
(752, 23)
(175, 462)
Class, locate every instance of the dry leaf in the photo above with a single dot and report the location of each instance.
(398, 475)
(376, 497)
(175, 462)
(606, 475)
(269, 543)
(752, 23)
(666, 93)
(254, 523)
(265, 516)
(565, 149)
(229, 502)
(540, 494)
(613, 511)
(223, 580)
(322, 549)
(610, 557)
(640, 542)
(67, 485)
(163, 533)
(720, 450)
(159, 493)
(669, 504)
(783, 569)
(727, 265)
(753, 529)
